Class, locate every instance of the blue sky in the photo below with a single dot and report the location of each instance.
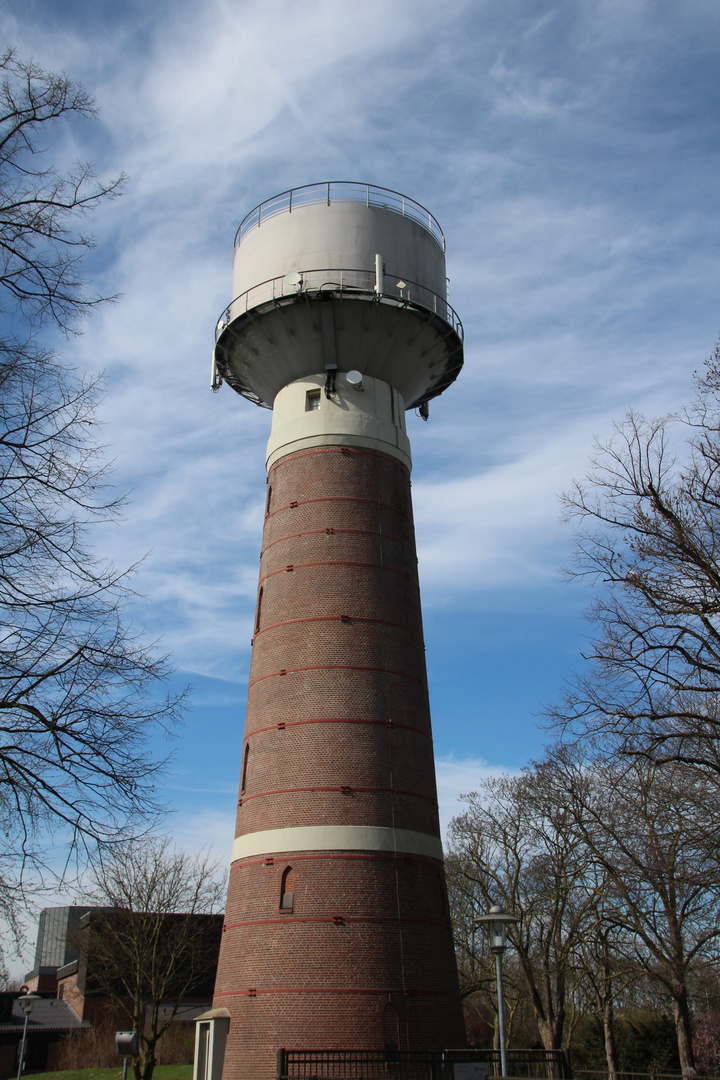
(569, 151)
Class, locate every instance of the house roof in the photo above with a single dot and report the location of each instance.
(49, 1014)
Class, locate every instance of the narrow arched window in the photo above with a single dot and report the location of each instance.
(391, 1027)
(258, 610)
(246, 758)
(287, 890)
(442, 894)
(268, 500)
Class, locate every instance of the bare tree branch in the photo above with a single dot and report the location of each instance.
(40, 250)
(81, 692)
(650, 545)
(154, 940)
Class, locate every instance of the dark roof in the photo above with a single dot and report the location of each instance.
(49, 1014)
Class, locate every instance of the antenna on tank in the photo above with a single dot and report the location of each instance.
(378, 276)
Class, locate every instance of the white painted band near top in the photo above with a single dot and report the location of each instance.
(337, 838)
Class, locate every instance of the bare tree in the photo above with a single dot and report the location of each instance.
(607, 968)
(476, 966)
(646, 828)
(650, 544)
(40, 249)
(515, 846)
(79, 691)
(154, 941)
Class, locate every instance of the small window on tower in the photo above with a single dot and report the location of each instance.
(312, 400)
(246, 759)
(287, 890)
(258, 611)
(442, 894)
(268, 500)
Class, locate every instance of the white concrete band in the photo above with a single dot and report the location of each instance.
(372, 416)
(337, 838)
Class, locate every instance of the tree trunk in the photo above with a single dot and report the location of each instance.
(551, 1031)
(610, 1047)
(684, 1031)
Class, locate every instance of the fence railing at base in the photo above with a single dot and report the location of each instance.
(420, 1064)
(603, 1074)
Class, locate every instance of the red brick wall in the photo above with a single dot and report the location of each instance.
(69, 991)
(338, 730)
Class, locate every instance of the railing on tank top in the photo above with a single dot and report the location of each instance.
(335, 191)
(359, 284)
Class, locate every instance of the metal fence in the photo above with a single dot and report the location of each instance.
(602, 1074)
(420, 1065)
(343, 283)
(340, 191)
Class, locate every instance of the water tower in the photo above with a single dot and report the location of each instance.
(337, 931)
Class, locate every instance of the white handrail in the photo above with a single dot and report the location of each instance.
(343, 191)
(412, 295)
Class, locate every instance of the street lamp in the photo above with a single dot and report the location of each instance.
(26, 1001)
(497, 921)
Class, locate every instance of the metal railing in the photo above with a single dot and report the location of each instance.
(603, 1074)
(417, 1064)
(350, 283)
(335, 191)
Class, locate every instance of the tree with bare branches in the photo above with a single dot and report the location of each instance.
(80, 692)
(607, 968)
(649, 543)
(40, 247)
(476, 964)
(515, 846)
(154, 940)
(646, 828)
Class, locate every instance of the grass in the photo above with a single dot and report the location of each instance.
(161, 1072)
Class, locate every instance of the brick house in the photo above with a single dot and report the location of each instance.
(70, 997)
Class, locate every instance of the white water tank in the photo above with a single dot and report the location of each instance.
(339, 276)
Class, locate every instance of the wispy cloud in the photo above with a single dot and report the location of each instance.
(457, 777)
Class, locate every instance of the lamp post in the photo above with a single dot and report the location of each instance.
(26, 1002)
(497, 921)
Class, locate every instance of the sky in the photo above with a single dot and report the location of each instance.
(570, 153)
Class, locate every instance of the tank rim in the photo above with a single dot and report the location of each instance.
(406, 207)
(451, 334)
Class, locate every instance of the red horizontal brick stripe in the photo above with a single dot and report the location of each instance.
(334, 498)
(337, 618)
(337, 720)
(334, 667)
(291, 567)
(291, 919)
(332, 532)
(359, 450)
(379, 856)
(337, 990)
(349, 788)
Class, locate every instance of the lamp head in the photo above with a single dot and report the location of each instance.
(26, 1002)
(497, 921)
